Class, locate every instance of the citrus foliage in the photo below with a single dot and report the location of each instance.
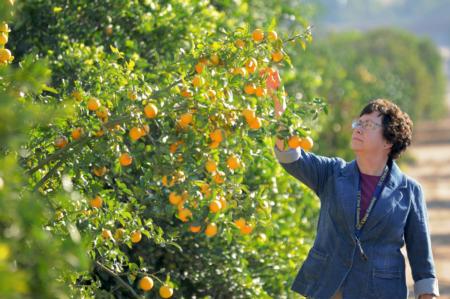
(164, 148)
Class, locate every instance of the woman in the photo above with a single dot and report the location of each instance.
(369, 209)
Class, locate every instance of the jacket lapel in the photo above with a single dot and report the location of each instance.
(347, 193)
(389, 198)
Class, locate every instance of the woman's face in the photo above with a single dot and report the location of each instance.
(367, 136)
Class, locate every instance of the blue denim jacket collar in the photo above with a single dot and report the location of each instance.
(390, 196)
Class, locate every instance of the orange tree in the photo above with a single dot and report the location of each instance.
(166, 148)
(32, 261)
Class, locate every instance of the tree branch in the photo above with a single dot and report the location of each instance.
(117, 278)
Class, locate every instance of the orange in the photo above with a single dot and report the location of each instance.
(216, 135)
(102, 113)
(272, 36)
(215, 206)
(5, 55)
(187, 93)
(120, 232)
(146, 283)
(198, 81)
(61, 142)
(173, 147)
(249, 114)
(3, 39)
(240, 71)
(174, 198)
(136, 236)
(212, 94)
(150, 111)
(135, 133)
(240, 222)
(250, 88)
(99, 133)
(125, 159)
(184, 214)
(4, 27)
(195, 228)
(165, 291)
(239, 43)
(246, 229)
(165, 183)
(185, 120)
(251, 65)
(203, 61)
(106, 234)
(77, 132)
(77, 95)
(199, 68)
(164, 180)
(180, 206)
(255, 123)
(223, 202)
(214, 144)
(145, 129)
(307, 143)
(132, 95)
(233, 162)
(277, 56)
(219, 177)
(211, 165)
(294, 141)
(96, 202)
(215, 59)
(211, 230)
(260, 91)
(258, 35)
(100, 171)
(204, 188)
(109, 30)
(185, 195)
(93, 104)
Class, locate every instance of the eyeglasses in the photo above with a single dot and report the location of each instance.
(365, 124)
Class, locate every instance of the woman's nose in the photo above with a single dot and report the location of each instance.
(358, 131)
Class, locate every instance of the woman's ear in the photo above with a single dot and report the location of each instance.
(387, 145)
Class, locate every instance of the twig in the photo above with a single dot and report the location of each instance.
(74, 144)
(117, 278)
(307, 31)
(47, 176)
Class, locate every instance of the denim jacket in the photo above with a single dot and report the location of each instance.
(336, 259)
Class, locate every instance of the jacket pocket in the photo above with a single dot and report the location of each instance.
(388, 283)
(314, 264)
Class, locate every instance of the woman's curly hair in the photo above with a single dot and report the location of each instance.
(397, 126)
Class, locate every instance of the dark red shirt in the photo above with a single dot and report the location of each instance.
(368, 185)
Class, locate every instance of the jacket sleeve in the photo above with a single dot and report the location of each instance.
(418, 246)
(312, 170)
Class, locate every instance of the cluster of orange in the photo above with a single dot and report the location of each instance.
(93, 104)
(306, 143)
(250, 67)
(146, 284)
(135, 236)
(5, 54)
(218, 135)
